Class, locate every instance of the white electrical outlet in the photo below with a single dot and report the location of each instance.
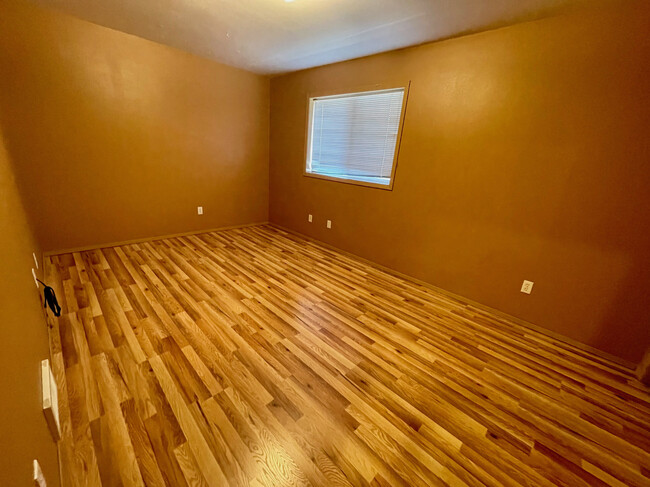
(329, 223)
(310, 218)
(39, 479)
(199, 210)
(35, 259)
(527, 287)
(35, 278)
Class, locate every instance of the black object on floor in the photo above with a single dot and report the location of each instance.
(50, 299)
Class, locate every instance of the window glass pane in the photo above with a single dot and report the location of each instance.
(355, 136)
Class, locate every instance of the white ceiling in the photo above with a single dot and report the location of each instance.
(275, 36)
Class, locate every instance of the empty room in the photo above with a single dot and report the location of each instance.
(361, 243)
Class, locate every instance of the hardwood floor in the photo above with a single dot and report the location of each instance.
(255, 357)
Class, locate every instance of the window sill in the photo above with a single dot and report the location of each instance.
(342, 179)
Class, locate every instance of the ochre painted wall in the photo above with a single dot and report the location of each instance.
(525, 155)
(23, 344)
(117, 138)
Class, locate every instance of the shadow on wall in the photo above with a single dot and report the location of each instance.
(621, 320)
(23, 344)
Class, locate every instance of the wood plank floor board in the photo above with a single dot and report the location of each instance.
(254, 357)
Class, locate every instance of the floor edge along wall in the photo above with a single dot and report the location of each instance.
(482, 307)
(107, 245)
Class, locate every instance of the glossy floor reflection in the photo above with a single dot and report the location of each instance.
(255, 357)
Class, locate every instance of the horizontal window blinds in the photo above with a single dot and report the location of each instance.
(354, 136)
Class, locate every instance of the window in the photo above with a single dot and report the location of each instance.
(355, 136)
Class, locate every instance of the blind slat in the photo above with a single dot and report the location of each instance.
(355, 135)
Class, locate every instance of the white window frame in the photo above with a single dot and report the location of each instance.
(342, 93)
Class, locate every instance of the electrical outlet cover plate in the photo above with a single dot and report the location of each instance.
(527, 287)
(199, 210)
(329, 223)
(310, 218)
